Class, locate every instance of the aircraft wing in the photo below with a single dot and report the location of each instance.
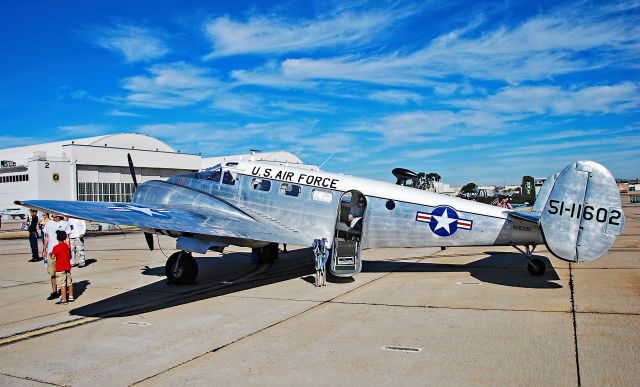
(192, 220)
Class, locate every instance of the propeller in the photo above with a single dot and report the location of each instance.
(132, 170)
(147, 235)
(402, 175)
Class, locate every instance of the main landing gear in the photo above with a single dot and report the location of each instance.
(536, 266)
(181, 268)
(268, 253)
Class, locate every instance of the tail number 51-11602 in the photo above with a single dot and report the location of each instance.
(586, 212)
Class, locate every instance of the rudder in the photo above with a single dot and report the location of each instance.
(583, 214)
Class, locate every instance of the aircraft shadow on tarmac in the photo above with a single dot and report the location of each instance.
(237, 272)
(500, 268)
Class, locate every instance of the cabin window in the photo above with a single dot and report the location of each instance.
(321, 195)
(261, 184)
(289, 189)
(390, 205)
(228, 178)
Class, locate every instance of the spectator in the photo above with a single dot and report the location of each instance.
(45, 219)
(504, 203)
(57, 224)
(61, 255)
(78, 227)
(33, 236)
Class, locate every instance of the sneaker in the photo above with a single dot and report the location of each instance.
(71, 299)
(52, 296)
(81, 264)
(61, 302)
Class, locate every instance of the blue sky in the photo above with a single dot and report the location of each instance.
(476, 91)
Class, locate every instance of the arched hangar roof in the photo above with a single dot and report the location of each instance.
(126, 140)
(57, 149)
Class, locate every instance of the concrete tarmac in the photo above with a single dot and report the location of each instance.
(461, 316)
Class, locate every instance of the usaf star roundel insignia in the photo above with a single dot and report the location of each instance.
(444, 221)
(153, 212)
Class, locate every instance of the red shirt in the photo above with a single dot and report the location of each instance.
(62, 252)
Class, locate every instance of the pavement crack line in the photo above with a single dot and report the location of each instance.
(33, 380)
(435, 306)
(29, 318)
(575, 326)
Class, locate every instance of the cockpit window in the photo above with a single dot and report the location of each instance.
(212, 173)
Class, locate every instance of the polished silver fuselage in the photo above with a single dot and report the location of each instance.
(384, 224)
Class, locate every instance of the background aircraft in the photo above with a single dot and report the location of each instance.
(259, 204)
(525, 198)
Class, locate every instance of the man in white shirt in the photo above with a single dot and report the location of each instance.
(50, 241)
(78, 228)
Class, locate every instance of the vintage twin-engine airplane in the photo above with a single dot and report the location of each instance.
(259, 204)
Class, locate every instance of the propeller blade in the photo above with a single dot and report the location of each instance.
(132, 170)
(149, 237)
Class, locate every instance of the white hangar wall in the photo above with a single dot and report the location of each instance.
(92, 169)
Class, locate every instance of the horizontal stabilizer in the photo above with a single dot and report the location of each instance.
(526, 215)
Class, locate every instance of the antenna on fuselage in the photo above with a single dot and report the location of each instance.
(326, 160)
(253, 153)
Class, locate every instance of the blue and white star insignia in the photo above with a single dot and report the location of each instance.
(444, 221)
(153, 212)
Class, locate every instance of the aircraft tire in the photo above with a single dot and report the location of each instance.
(186, 273)
(536, 267)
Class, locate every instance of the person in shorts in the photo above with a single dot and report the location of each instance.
(57, 224)
(61, 254)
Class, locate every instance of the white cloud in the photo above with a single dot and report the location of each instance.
(247, 104)
(574, 147)
(121, 113)
(135, 44)
(16, 141)
(266, 35)
(397, 97)
(289, 106)
(172, 85)
(86, 130)
(555, 100)
(270, 76)
(437, 125)
(539, 48)
(216, 139)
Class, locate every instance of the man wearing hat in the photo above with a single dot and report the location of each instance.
(50, 241)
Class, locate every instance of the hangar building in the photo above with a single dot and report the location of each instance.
(96, 168)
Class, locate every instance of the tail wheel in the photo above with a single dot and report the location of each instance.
(536, 267)
(181, 268)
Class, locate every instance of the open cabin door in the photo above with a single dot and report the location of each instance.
(345, 254)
